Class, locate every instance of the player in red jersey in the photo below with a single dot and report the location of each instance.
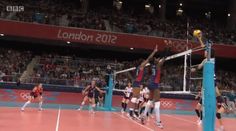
(36, 93)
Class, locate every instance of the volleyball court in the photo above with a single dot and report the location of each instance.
(60, 109)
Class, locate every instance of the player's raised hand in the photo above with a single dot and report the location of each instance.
(193, 69)
(156, 48)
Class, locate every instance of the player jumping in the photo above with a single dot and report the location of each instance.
(154, 88)
(138, 81)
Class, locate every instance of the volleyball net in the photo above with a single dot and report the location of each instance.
(176, 75)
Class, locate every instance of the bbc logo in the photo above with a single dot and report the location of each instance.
(15, 8)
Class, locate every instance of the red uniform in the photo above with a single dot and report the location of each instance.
(37, 91)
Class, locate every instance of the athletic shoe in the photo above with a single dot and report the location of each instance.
(79, 109)
(143, 120)
(122, 111)
(40, 109)
(199, 122)
(22, 109)
(221, 128)
(159, 125)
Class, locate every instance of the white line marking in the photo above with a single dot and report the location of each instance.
(135, 122)
(181, 119)
(58, 118)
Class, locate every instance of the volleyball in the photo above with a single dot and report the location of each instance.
(196, 33)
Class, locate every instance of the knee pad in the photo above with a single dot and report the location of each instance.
(134, 100)
(218, 115)
(157, 105)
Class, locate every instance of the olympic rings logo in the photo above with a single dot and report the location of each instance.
(177, 45)
(166, 104)
(25, 96)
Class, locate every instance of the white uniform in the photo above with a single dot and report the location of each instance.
(128, 92)
(144, 94)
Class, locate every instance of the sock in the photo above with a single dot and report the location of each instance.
(141, 110)
(157, 111)
(136, 112)
(40, 104)
(26, 103)
(200, 115)
(197, 112)
(131, 111)
(151, 110)
(125, 106)
(147, 108)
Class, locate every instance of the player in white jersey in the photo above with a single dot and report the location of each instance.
(144, 96)
(127, 96)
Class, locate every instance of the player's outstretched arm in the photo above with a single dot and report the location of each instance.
(101, 91)
(143, 64)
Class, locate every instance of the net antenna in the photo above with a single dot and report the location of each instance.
(186, 57)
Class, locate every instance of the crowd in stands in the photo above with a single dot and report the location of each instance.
(66, 70)
(13, 63)
(59, 12)
(227, 80)
(78, 72)
(147, 24)
(53, 12)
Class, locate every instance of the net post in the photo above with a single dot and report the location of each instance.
(209, 96)
(108, 96)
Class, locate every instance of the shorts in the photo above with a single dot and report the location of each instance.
(100, 97)
(34, 95)
(153, 85)
(145, 99)
(200, 101)
(137, 84)
(91, 95)
(126, 97)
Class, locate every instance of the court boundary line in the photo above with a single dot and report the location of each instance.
(58, 119)
(150, 129)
